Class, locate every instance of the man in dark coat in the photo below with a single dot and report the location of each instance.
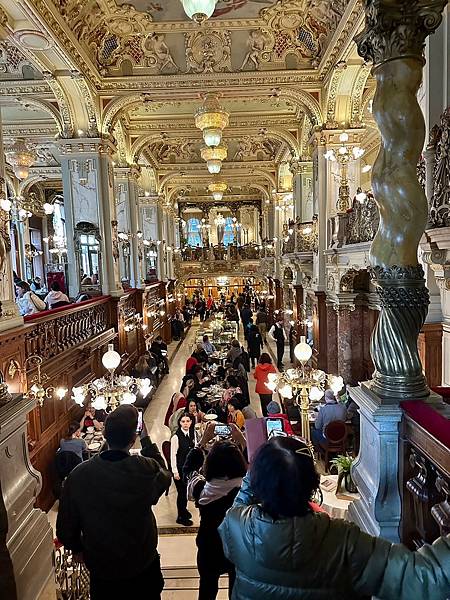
(105, 513)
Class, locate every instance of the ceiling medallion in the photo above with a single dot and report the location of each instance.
(33, 40)
(211, 119)
(217, 188)
(214, 157)
(199, 10)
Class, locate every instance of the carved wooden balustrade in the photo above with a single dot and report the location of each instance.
(425, 482)
(61, 329)
(300, 236)
(363, 220)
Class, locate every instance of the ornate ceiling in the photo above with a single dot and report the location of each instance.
(136, 72)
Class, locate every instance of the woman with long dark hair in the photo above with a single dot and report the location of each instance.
(213, 488)
(180, 444)
(282, 548)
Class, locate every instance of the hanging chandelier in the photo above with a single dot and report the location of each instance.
(217, 188)
(211, 119)
(304, 385)
(214, 157)
(199, 10)
(20, 157)
(110, 391)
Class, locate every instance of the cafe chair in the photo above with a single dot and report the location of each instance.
(336, 441)
(166, 453)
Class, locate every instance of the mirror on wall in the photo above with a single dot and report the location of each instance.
(88, 251)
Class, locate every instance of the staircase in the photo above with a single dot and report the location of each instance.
(181, 583)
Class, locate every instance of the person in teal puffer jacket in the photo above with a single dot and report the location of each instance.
(283, 550)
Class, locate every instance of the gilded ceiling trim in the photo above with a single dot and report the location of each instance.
(284, 136)
(88, 97)
(48, 107)
(305, 101)
(64, 105)
(356, 110)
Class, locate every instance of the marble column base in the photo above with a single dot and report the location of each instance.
(375, 470)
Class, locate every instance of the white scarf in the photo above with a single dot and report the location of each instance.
(218, 488)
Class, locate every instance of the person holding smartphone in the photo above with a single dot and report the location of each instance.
(181, 442)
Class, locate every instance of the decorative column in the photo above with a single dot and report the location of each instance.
(9, 314)
(332, 339)
(88, 184)
(26, 539)
(320, 186)
(127, 208)
(393, 40)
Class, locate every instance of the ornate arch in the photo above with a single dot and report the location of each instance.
(331, 97)
(142, 141)
(356, 110)
(284, 136)
(89, 103)
(47, 107)
(116, 107)
(305, 101)
(64, 105)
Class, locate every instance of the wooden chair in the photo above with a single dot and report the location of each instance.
(166, 453)
(336, 441)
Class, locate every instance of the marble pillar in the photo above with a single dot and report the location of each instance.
(9, 314)
(393, 41)
(127, 210)
(26, 538)
(332, 340)
(320, 187)
(344, 342)
(88, 186)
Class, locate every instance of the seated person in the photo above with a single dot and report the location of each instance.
(195, 411)
(36, 284)
(92, 418)
(27, 301)
(274, 411)
(208, 346)
(159, 349)
(200, 354)
(235, 415)
(177, 401)
(233, 388)
(245, 407)
(234, 352)
(72, 442)
(332, 411)
(190, 364)
(55, 296)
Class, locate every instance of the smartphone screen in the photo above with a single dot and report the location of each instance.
(140, 423)
(222, 430)
(274, 425)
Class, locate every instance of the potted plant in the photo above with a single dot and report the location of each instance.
(343, 463)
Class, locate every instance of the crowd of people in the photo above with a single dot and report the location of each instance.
(259, 522)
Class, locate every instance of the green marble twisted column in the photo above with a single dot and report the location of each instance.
(393, 41)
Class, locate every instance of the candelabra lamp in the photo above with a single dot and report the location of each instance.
(38, 390)
(304, 385)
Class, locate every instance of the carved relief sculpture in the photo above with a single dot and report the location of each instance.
(258, 43)
(440, 202)
(208, 52)
(157, 53)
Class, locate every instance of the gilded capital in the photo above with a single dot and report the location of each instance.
(396, 29)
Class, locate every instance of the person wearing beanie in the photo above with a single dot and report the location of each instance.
(105, 512)
(331, 411)
(274, 412)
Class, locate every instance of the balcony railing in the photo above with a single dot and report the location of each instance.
(363, 220)
(227, 253)
(300, 236)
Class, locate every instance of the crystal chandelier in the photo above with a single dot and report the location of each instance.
(20, 158)
(304, 385)
(110, 391)
(214, 157)
(217, 188)
(199, 10)
(211, 119)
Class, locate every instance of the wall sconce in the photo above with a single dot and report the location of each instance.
(37, 390)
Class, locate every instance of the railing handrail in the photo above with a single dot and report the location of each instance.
(46, 315)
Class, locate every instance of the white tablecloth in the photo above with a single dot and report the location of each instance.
(335, 505)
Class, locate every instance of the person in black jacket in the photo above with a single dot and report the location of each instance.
(159, 349)
(214, 491)
(180, 444)
(105, 512)
(246, 315)
(255, 344)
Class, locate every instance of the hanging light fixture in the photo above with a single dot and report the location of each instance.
(219, 220)
(217, 188)
(199, 10)
(214, 157)
(20, 157)
(211, 119)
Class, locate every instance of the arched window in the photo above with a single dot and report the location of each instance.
(229, 234)
(194, 237)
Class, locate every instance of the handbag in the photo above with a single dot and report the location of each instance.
(38, 303)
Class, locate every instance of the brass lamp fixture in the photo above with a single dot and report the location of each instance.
(344, 155)
(20, 157)
(37, 391)
(199, 10)
(304, 385)
(214, 157)
(211, 119)
(111, 390)
(217, 188)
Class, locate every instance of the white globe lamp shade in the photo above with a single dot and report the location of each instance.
(315, 394)
(214, 166)
(343, 137)
(303, 351)
(271, 385)
(199, 10)
(272, 376)
(128, 398)
(212, 137)
(336, 383)
(49, 209)
(111, 359)
(5, 204)
(217, 196)
(286, 391)
(99, 403)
